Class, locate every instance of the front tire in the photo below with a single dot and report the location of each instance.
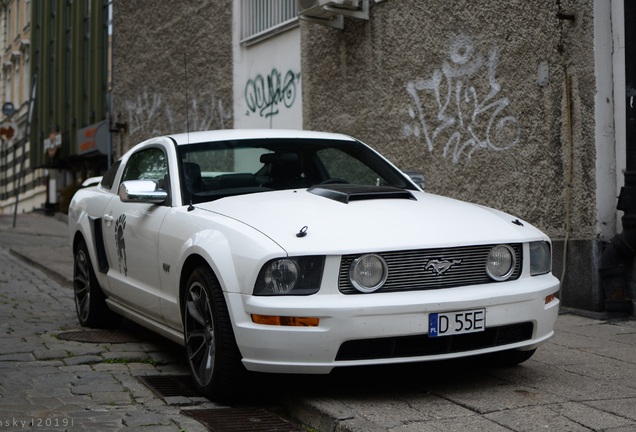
(213, 356)
(90, 301)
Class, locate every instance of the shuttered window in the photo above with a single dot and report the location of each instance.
(264, 18)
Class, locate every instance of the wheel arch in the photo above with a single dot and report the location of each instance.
(77, 238)
(191, 263)
(227, 377)
(94, 240)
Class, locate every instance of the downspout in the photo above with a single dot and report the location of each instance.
(568, 181)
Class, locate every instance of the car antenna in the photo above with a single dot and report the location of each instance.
(185, 73)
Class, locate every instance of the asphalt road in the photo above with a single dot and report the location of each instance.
(583, 379)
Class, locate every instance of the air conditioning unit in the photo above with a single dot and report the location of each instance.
(319, 8)
(331, 12)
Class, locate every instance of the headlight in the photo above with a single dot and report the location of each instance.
(540, 258)
(501, 262)
(368, 273)
(290, 276)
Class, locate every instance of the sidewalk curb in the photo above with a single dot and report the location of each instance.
(57, 277)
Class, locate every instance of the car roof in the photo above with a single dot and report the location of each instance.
(239, 134)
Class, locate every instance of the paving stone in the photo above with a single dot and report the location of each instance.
(89, 389)
(137, 420)
(591, 417)
(17, 357)
(127, 348)
(163, 358)
(625, 408)
(81, 350)
(153, 428)
(111, 397)
(77, 369)
(110, 367)
(47, 354)
(127, 356)
(149, 401)
(37, 366)
(83, 359)
(178, 400)
(142, 368)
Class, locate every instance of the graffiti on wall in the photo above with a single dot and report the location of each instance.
(143, 112)
(149, 115)
(266, 95)
(448, 112)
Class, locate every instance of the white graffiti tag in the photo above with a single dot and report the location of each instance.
(149, 115)
(461, 121)
(143, 112)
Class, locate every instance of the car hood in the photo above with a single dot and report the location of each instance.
(302, 222)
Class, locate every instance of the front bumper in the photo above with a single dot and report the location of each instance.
(371, 317)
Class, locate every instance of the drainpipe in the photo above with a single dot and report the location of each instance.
(618, 256)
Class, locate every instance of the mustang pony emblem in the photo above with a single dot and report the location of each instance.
(440, 267)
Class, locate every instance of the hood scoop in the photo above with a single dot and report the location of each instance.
(345, 193)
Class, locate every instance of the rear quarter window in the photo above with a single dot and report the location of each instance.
(109, 177)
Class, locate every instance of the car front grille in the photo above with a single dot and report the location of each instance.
(422, 345)
(408, 269)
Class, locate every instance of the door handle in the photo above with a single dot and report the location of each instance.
(108, 219)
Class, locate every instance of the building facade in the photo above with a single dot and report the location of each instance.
(176, 75)
(520, 106)
(70, 128)
(22, 184)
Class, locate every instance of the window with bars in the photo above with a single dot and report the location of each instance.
(265, 18)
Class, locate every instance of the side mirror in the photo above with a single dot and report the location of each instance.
(417, 178)
(142, 191)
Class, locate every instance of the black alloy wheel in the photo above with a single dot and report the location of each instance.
(90, 302)
(213, 356)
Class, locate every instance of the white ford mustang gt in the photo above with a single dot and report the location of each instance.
(299, 252)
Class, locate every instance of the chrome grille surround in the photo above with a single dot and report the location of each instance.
(407, 269)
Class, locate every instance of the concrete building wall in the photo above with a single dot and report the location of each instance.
(452, 89)
(154, 44)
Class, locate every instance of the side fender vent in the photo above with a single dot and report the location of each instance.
(98, 241)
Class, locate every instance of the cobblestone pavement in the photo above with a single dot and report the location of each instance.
(583, 379)
(47, 383)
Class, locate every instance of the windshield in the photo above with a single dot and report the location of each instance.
(219, 169)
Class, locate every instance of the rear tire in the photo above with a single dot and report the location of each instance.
(90, 301)
(213, 356)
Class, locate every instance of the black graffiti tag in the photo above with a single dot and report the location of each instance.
(265, 94)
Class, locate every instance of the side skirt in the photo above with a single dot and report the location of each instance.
(161, 329)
